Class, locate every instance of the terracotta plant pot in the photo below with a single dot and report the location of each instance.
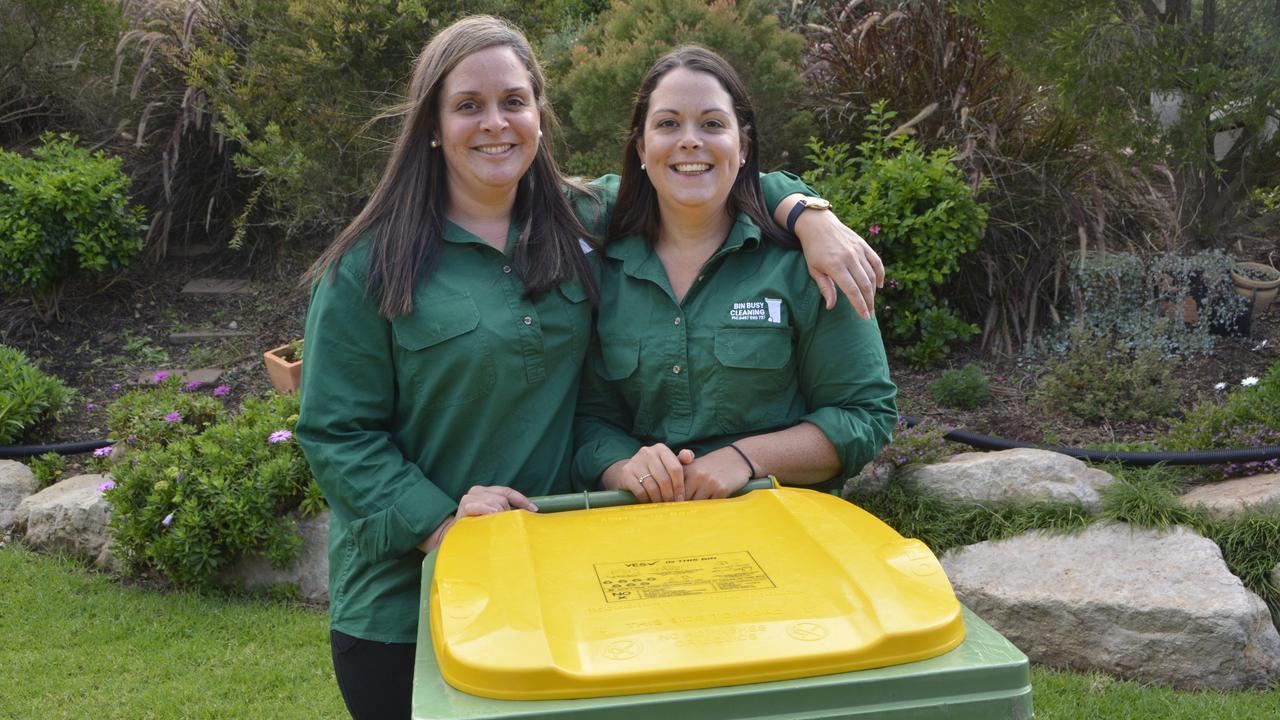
(1261, 292)
(286, 375)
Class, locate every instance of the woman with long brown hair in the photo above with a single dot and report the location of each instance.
(445, 338)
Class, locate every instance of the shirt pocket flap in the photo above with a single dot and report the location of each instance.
(573, 291)
(619, 357)
(753, 348)
(436, 320)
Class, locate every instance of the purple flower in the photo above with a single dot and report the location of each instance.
(105, 486)
(168, 520)
(173, 417)
(160, 376)
(115, 387)
(102, 451)
(874, 229)
(88, 407)
(221, 390)
(279, 436)
(131, 439)
(193, 385)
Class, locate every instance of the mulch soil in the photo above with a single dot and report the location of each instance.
(115, 335)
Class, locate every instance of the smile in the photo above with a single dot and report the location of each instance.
(691, 168)
(494, 149)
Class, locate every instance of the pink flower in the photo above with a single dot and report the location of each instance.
(160, 376)
(102, 451)
(221, 390)
(105, 486)
(874, 229)
(193, 385)
(173, 417)
(279, 436)
(115, 387)
(88, 407)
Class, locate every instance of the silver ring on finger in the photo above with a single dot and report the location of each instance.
(644, 477)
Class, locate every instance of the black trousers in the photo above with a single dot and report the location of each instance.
(376, 678)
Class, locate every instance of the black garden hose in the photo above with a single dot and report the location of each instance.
(982, 442)
(1134, 459)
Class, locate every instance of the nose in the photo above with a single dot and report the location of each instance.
(689, 139)
(493, 121)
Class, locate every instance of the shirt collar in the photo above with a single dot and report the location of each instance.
(635, 250)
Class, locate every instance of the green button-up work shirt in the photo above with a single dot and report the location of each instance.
(749, 350)
(400, 417)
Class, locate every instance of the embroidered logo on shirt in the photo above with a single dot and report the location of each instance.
(770, 309)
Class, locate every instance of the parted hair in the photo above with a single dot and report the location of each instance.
(637, 205)
(405, 215)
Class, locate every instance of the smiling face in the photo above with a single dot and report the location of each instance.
(692, 146)
(489, 123)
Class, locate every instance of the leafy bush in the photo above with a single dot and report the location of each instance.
(48, 468)
(936, 66)
(165, 412)
(923, 217)
(55, 65)
(64, 210)
(965, 388)
(1100, 379)
(190, 503)
(28, 396)
(1250, 417)
(1147, 302)
(612, 55)
(295, 88)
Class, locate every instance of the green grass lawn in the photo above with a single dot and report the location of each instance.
(78, 644)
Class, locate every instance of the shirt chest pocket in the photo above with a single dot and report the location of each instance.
(442, 356)
(619, 357)
(753, 377)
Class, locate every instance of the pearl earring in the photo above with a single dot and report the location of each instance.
(539, 134)
(642, 166)
(435, 143)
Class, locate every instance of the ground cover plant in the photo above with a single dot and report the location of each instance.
(28, 395)
(199, 487)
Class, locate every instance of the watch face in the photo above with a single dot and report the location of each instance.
(817, 204)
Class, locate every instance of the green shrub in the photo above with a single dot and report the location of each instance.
(965, 388)
(1249, 417)
(612, 55)
(190, 504)
(161, 413)
(1100, 380)
(920, 214)
(28, 396)
(63, 211)
(48, 468)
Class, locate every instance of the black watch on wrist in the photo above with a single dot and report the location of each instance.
(805, 203)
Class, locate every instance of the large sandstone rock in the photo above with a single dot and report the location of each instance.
(70, 516)
(1022, 475)
(1231, 498)
(17, 483)
(1159, 607)
(310, 573)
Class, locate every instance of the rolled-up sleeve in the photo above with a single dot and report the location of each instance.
(844, 377)
(348, 397)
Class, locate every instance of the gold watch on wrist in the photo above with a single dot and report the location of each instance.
(804, 203)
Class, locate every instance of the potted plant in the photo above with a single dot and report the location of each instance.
(1257, 282)
(284, 365)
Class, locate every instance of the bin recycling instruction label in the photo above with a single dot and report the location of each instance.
(675, 577)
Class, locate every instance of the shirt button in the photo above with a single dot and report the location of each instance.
(677, 321)
(675, 369)
(506, 269)
(528, 320)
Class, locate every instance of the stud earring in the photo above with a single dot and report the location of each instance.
(435, 143)
(642, 167)
(742, 162)
(539, 134)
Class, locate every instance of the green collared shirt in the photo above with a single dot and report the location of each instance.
(749, 350)
(400, 417)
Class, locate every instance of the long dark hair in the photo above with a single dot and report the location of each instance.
(406, 212)
(637, 206)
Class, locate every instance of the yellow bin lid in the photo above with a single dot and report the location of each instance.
(774, 584)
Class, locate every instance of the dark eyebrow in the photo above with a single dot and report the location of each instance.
(507, 91)
(707, 111)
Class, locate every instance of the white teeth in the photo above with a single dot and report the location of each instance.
(494, 149)
(692, 167)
